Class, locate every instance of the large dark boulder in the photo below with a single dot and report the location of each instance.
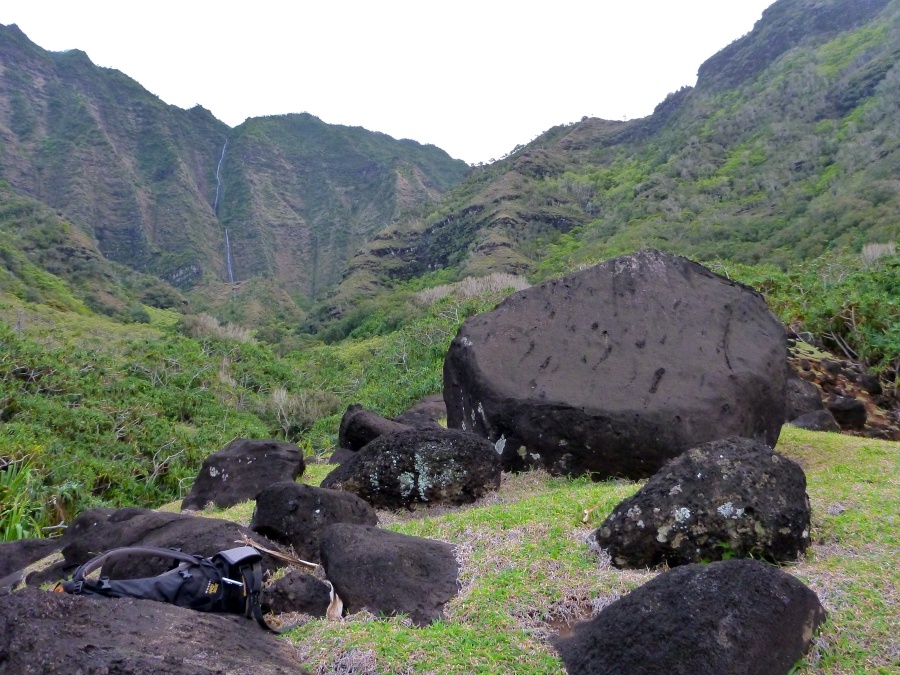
(734, 497)
(360, 427)
(45, 633)
(741, 617)
(617, 369)
(296, 514)
(237, 472)
(389, 573)
(425, 466)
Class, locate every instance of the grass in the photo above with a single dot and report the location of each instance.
(527, 571)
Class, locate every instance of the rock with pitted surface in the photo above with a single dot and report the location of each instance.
(45, 633)
(420, 466)
(730, 498)
(619, 368)
(741, 617)
(295, 514)
(360, 427)
(98, 530)
(297, 592)
(390, 573)
(237, 472)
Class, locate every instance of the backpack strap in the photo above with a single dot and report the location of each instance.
(127, 552)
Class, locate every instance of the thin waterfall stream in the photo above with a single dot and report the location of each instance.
(219, 178)
(228, 262)
(228, 257)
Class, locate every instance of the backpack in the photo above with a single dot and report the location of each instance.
(230, 581)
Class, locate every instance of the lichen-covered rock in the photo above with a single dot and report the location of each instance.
(295, 514)
(741, 617)
(425, 466)
(360, 427)
(390, 573)
(237, 472)
(734, 497)
(617, 369)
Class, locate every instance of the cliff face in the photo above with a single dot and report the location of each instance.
(143, 179)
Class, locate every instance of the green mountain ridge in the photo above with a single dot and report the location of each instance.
(149, 184)
(786, 148)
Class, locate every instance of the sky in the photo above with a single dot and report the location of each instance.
(475, 78)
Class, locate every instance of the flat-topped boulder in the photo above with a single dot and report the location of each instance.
(619, 368)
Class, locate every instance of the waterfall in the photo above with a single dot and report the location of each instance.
(228, 257)
(218, 178)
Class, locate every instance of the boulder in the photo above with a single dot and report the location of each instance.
(849, 412)
(55, 633)
(390, 573)
(19, 554)
(360, 426)
(728, 498)
(818, 420)
(740, 617)
(801, 397)
(297, 592)
(295, 514)
(237, 472)
(619, 368)
(429, 466)
(426, 414)
(98, 530)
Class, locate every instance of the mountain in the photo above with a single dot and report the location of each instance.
(155, 187)
(787, 147)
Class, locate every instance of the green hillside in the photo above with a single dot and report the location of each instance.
(787, 148)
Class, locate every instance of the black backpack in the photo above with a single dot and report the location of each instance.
(229, 581)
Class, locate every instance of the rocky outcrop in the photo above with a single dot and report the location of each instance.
(617, 369)
(237, 472)
(16, 555)
(421, 466)
(819, 420)
(389, 573)
(729, 498)
(739, 617)
(296, 514)
(56, 634)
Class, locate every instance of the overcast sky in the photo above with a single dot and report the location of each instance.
(475, 78)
